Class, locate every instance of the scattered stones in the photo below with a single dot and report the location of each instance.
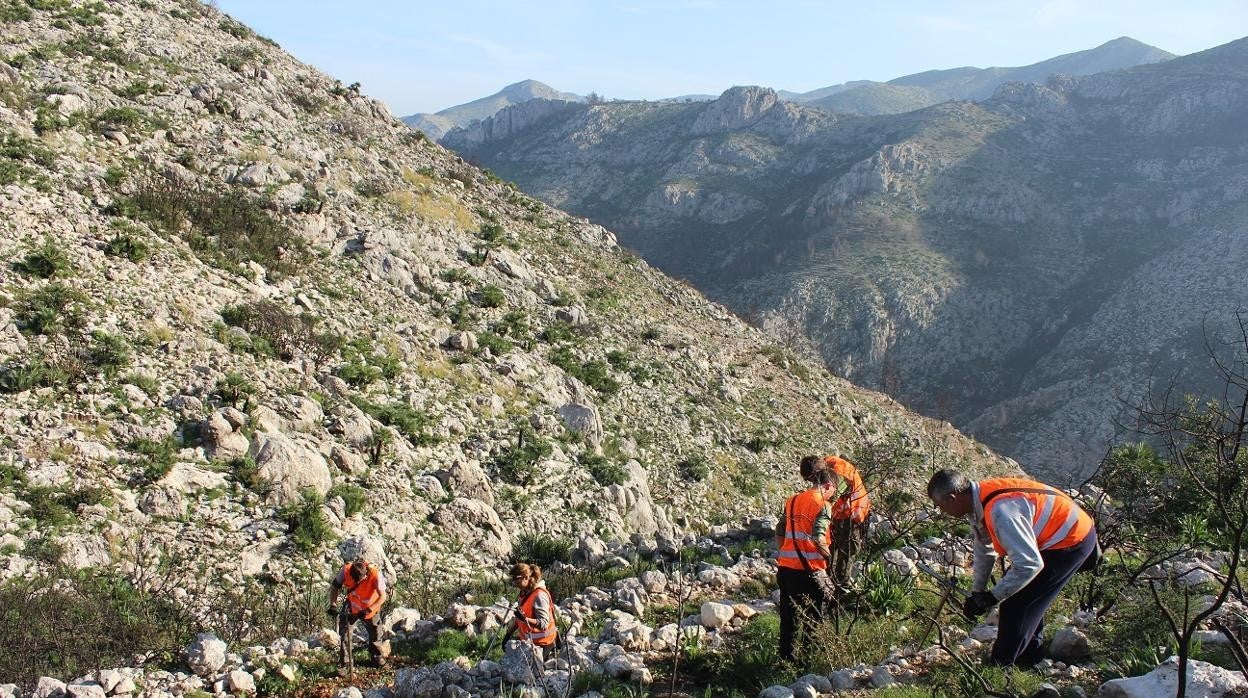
(206, 654)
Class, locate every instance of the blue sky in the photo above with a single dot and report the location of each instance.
(426, 56)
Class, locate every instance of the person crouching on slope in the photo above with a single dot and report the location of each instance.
(849, 513)
(366, 594)
(535, 614)
(1047, 537)
(802, 537)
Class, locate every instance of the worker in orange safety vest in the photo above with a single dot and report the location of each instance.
(849, 513)
(802, 539)
(1045, 534)
(366, 594)
(535, 610)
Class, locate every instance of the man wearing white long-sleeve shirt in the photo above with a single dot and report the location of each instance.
(1047, 537)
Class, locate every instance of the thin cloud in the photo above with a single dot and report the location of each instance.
(500, 53)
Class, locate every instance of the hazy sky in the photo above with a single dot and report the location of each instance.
(426, 56)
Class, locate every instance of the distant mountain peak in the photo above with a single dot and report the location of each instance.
(438, 125)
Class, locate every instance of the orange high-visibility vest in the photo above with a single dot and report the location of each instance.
(800, 512)
(854, 504)
(525, 631)
(1058, 522)
(364, 596)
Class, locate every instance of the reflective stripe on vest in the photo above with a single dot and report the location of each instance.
(800, 512)
(1058, 522)
(855, 505)
(364, 595)
(539, 637)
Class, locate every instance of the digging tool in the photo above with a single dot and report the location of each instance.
(950, 587)
(503, 631)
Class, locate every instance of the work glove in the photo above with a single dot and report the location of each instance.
(977, 604)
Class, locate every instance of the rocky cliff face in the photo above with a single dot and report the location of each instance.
(249, 313)
(976, 260)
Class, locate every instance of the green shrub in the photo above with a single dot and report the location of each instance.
(748, 480)
(139, 88)
(497, 345)
(560, 332)
(20, 376)
(605, 471)
(11, 476)
(596, 374)
(53, 507)
(354, 497)
(541, 549)
(246, 472)
(156, 458)
(514, 325)
(147, 384)
(50, 309)
(47, 261)
(234, 389)
(127, 244)
(127, 119)
(305, 521)
(283, 333)
(42, 619)
(109, 352)
(695, 468)
(409, 421)
(225, 227)
(447, 645)
(518, 464)
(491, 234)
(489, 296)
(364, 365)
(379, 443)
(454, 275)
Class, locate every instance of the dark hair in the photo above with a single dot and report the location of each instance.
(358, 569)
(525, 569)
(823, 476)
(946, 482)
(810, 465)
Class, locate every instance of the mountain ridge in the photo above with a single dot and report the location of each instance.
(439, 123)
(890, 240)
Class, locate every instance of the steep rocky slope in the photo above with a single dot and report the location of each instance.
(1017, 265)
(247, 313)
(437, 125)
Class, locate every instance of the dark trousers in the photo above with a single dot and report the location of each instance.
(801, 606)
(345, 622)
(848, 537)
(1020, 631)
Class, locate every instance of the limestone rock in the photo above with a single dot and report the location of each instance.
(1203, 679)
(716, 615)
(206, 654)
(474, 523)
(290, 466)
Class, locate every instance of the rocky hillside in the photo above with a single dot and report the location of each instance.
(911, 92)
(1017, 265)
(437, 125)
(248, 313)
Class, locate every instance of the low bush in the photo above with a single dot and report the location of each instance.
(50, 309)
(489, 296)
(496, 344)
(353, 497)
(363, 365)
(604, 470)
(246, 472)
(235, 390)
(412, 423)
(110, 353)
(127, 244)
(305, 521)
(225, 227)
(42, 619)
(594, 373)
(517, 464)
(48, 260)
(541, 549)
(695, 468)
(156, 458)
(288, 335)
